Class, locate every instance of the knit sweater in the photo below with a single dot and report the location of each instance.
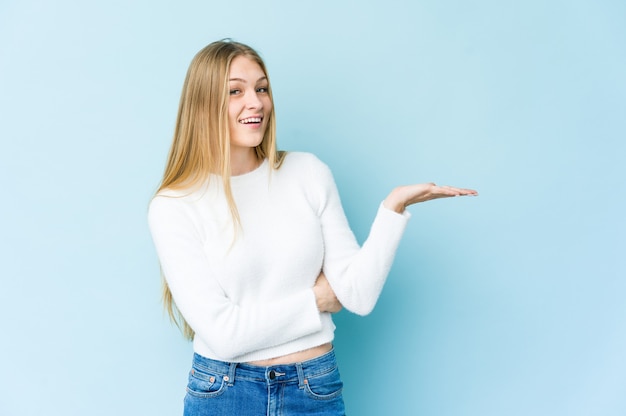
(247, 292)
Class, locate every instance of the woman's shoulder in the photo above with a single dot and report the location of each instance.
(168, 200)
(306, 170)
(303, 161)
(170, 196)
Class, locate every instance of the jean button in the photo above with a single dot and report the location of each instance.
(272, 375)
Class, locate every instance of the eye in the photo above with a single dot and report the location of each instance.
(235, 91)
(262, 90)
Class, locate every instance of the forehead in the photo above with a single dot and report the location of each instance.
(245, 68)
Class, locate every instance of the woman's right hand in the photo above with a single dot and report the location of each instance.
(324, 296)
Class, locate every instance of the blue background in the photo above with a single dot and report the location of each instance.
(511, 303)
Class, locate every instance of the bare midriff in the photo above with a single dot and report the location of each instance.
(296, 357)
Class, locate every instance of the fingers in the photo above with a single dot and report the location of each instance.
(464, 191)
(454, 191)
(403, 196)
(325, 296)
(335, 307)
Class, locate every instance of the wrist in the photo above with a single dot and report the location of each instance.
(394, 202)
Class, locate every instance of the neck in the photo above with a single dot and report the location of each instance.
(243, 161)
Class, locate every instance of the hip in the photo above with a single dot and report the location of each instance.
(300, 388)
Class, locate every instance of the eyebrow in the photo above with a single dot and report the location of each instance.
(244, 81)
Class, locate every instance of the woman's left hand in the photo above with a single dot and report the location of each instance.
(325, 296)
(403, 196)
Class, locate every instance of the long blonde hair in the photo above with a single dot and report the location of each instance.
(201, 144)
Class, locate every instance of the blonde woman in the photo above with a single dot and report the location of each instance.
(256, 250)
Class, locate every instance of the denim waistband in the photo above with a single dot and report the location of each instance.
(280, 373)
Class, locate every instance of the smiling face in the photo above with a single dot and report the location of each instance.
(249, 107)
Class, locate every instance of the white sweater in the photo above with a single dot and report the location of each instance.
(250, 297)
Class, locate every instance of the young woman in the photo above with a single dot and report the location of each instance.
(256, 250)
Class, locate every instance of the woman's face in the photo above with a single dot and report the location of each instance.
(249, 105)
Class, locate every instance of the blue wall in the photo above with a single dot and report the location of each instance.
(511, 303)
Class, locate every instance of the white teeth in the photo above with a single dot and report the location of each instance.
(250, 120)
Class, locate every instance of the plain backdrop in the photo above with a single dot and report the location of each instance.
(511, 303)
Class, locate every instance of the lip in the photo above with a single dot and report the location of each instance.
(250, 116)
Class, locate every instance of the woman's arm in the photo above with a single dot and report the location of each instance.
(229, 329)
(357, 274)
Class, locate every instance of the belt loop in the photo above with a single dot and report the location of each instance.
(301, 379)
(231, 374)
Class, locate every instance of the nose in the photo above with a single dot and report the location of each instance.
(253, 101)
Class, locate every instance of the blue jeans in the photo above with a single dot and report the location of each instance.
(312, 387)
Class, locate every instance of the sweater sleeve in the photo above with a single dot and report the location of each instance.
(230, 330)
(357, 274)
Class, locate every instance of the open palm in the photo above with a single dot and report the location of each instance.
(403, 196)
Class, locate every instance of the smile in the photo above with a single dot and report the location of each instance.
(250, 120)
